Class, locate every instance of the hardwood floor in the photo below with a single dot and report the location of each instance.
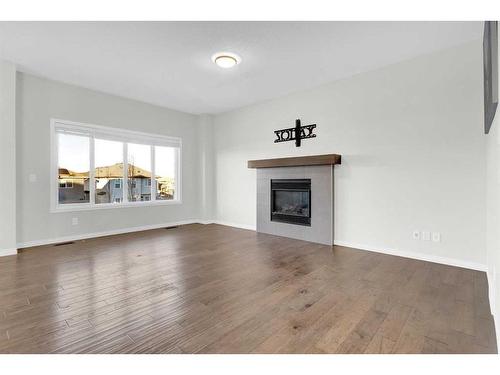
(215, 289)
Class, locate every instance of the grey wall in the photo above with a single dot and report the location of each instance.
(412, 147)
(39, 100)
(7, 158)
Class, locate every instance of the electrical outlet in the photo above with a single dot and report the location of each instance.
(436, 236)
(416, 235)
(426, 235)
(74, 221)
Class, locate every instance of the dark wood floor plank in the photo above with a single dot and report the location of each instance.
(216, 289)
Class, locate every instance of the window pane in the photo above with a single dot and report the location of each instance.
(73, 168)
(108, 171)
(139, 172)
(165, 172)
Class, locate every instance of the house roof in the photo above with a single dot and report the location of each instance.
(111, 171)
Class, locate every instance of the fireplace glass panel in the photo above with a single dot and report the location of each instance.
(291, 201)
(295, 203)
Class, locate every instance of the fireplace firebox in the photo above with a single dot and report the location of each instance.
(291, 201)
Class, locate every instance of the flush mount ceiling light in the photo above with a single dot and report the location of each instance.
(226, 59)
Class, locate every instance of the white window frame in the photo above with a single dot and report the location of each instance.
(116, 134)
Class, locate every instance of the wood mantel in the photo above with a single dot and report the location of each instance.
(299, 161)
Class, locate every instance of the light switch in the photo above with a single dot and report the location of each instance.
(74, 221)
(32, 177)
(426, 235)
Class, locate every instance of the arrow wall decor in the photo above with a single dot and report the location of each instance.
(295, 134)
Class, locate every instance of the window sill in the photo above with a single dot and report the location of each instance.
(107, 206)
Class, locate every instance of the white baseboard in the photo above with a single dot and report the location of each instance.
(6, 252)
(419, 256)
(384, 250)
(235, 225)
(84, 236)
(205, 222)
(413, 255)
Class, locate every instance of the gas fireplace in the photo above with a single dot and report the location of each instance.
(291, 201)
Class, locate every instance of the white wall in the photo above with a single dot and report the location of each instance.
(7, 158)
(412, 150)
(493, 216)
(207, 182)
(38, 100)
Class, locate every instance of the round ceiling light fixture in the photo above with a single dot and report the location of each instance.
(226, 59)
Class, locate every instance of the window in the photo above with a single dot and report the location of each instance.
(139, 171)
(73, 166)
(99, 167)
(165, 172)
(108, 170)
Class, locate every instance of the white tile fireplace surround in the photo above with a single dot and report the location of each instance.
(295, 197)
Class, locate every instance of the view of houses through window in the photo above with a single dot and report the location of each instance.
(108, 171)
(74, 167)
(122, 171)
(139, 172)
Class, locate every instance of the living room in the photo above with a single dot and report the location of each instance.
(249, 187)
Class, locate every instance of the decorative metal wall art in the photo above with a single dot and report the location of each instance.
(295, 134)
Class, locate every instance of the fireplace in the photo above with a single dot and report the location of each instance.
(285, 197)
(291, 201)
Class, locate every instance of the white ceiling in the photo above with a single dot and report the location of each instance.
(168, 63)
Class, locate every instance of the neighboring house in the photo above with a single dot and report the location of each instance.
(109, 184)
(74, 186)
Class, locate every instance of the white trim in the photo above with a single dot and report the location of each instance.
(234, 225)
(178, 175)
(205, 222)
(7, 252)
(77, 237)
(121, 135)
(413, 255)
(125, 174)
(84, 236)
(152, 181)
(53, 172)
